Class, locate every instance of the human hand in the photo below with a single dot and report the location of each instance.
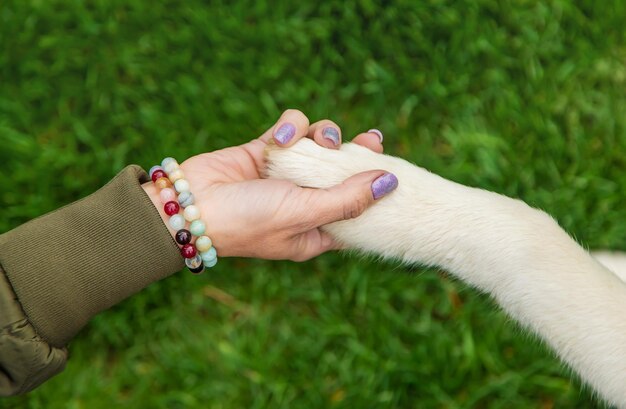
(248, 216)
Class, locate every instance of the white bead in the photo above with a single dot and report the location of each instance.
(169, 164)
(181, 185)
(167, 160)
(203, 243)
(175, 175)
(191, 213)
(177, 222)
(171, 167)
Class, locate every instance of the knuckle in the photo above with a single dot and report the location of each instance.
(354, 209)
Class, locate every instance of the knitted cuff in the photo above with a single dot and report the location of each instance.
(83, 258)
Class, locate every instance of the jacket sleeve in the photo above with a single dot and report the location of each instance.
(59, 270)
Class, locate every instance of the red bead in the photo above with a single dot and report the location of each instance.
(171, 208)
(188, 251)
(158, 174)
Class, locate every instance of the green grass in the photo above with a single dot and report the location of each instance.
(526, 99)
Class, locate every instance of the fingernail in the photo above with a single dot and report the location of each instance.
(332, 134)
(284, 134)
(377, 132)
(383, 185)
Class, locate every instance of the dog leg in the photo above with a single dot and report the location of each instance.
(518, 254)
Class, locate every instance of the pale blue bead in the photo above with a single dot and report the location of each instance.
(177, 222)
(208, 255)
(154, 169)
(165, 161)
(197, 227)
(211, 263)
(185, 198)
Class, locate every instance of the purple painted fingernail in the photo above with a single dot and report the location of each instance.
(383, 185)
(284, 134)
(332, 134)
(377, 132)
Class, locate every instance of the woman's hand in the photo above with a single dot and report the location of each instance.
(249, 216)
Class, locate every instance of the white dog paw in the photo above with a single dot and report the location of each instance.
(382, 228)
(309, 165)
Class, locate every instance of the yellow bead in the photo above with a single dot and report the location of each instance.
(203, 243)
(162, 183)
(191, 213)
(177, 174)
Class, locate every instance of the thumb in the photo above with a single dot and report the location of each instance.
(352, 197)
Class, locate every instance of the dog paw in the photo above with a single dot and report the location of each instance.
(382, 229)
(427, 219)
(309, 165)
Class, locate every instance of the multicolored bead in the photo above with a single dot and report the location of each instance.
(170, 179)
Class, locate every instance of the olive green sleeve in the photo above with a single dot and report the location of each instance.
(26, 360)
(59, 270)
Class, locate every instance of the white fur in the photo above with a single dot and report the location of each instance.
(518, 254)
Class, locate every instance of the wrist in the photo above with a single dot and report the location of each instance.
(153, 193)
(170, 194)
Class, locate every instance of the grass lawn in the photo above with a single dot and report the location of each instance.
(526, 99)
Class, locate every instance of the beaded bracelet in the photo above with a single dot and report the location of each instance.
(170, 179)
